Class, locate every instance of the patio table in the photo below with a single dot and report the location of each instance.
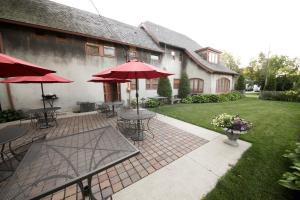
(132, 115)
(7, 136)
(52, 165)
(44, 111)
(113, 104)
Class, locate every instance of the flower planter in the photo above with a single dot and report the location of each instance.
(233, 136)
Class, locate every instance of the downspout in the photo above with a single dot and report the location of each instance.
(8, 89)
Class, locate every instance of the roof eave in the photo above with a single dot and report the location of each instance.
(75, 33)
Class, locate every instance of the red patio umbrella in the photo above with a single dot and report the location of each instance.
(108, 80)
(134, 70)
(10, 66)
(48, 78)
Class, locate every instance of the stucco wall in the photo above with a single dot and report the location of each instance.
(68, 58)
(214, 79)
(194, 71)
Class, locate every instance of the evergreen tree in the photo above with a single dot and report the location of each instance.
(164, 88)
(240, 85)
(184, 86)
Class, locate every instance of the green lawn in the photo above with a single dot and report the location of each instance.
(276, 128)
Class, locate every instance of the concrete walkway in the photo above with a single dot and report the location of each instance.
(192, 176)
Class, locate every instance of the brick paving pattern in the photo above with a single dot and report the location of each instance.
(169, 144)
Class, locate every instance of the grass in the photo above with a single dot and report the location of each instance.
(276, 128)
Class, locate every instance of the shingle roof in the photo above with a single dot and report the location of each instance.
(164, 35)
(60, 17)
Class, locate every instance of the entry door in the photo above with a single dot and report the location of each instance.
(112, 92)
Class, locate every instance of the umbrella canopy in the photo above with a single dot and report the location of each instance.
(10, 66)
(108, 80)
(133, 70)
(48, 78)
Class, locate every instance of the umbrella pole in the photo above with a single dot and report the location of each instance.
(137, 95)
(45, 114)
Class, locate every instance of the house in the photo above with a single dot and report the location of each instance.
(78, 44)
(202, 65)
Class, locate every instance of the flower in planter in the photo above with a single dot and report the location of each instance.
(233, 126)
(231, 122)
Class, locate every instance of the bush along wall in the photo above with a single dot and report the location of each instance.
(290, 95)
(10, 115)
(213, 98)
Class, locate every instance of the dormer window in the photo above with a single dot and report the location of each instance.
(213, 57)
(209, 54)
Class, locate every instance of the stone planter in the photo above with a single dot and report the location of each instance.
(233, 136)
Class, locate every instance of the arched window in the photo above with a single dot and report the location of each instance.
(196, 85)
(223, 85)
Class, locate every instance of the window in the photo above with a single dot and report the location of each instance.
(196, 85)
(223, 85)
(213, 58)
(176, 83)
(133, 84)
(154, 60)
(109, 51)
(151, 84)
(92, 49)
(132, 55)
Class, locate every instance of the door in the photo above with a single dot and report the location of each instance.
(112, 92)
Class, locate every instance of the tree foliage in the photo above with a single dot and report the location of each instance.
(240, 84)
(164, 88)
(184, 86)
(266, 72)
(229, 61)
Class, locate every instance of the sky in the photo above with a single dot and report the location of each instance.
(242, 27)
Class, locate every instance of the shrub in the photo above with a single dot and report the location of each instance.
(280, 95)
(152, 103)
(187, 100)
(213, 98)
(200, 99)
(10, 115)
(291, 180)
(240, 85)
(224, 97)
(164, 88)
(184, 86)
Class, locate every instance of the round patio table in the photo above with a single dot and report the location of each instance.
(144, 115)
(113, 104)
(8, 135)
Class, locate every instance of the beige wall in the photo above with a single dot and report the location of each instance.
(194, 71)
(214, 79)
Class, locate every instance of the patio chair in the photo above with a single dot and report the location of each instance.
(40, 118)
(104, 109)
(126, 127)
(10, 163)
(25, 115)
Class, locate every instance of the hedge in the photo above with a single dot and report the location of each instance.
(213, 98)
(280, 95)
(10, 115)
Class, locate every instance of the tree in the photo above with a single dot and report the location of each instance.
(184, 86)
(164, 88)
(263, 70)
(240, 85)
(230, 62)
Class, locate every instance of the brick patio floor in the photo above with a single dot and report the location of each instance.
(169, 144)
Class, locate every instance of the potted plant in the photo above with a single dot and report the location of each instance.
(233, 126)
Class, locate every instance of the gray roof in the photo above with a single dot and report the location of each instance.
(164, 35)
(60, 17)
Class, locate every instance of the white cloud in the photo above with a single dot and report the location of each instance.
(243, 28)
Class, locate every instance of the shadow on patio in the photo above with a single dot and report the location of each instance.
(169, 144)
